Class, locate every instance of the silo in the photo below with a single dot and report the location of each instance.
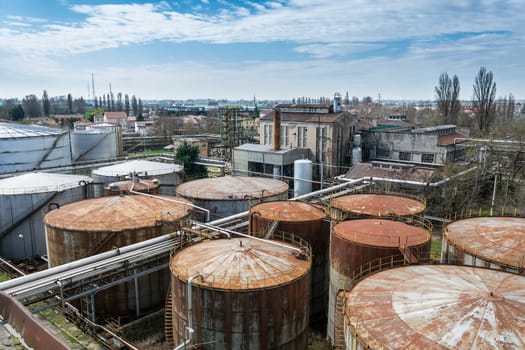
(96, 142)
(29, 147)
(138, 185)
(376, 205)
(306, 221)
(168, 174)
(302, 183)
(495, 242)
(245, 294)
(358, 242)
(89, 227)
(229, 195)
(436, 307)
(23, 201)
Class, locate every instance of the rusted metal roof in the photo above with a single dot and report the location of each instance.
(381, 233)
(287, 211)
(117, 213)
(378, 205)
(140, 186)
(497, 239)
(232, 188)
(239, 264)
(439, 307)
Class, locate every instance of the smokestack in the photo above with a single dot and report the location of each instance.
(276, 129)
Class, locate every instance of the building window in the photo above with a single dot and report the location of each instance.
(383, 153)
(427, 158)
(285, 135)
(323, 145)
(301, 136)
(405, 156)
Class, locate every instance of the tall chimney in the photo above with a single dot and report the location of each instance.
(276, 129)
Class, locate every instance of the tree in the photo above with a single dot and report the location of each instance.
(505, 109)
(447, 96)
(134, 105)
(186, 155)
(69, 104)
(483, 100)
(367, 100)
(17, 113)
(79, 105)
(46, 105)
(140, 109)
(31, 106)
(119, 106)
(126, 104)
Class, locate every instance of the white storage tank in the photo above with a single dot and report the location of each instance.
(29, 147)
(96, 142)
(24, 200)
(302, 170)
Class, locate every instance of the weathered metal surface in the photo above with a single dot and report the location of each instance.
(306, 221)
(376, 205)
(253, 296)
(486, 240)
(437, 307)
(120, 187)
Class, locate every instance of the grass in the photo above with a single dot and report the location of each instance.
(3, 276)
(435, 249)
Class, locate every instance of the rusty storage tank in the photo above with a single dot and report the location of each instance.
(139, 185)
(436, 307)
(359, 205)
(252, 295)
(358, 242)
(93, 226)
(24, 199)
(306, 221)
(229, 195)
(495, 242)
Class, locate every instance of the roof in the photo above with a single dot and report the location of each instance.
(239, 263)
(255, 147)
(496, 239)
(117, 213)
(414, 173)
(232, 188)
(287, 211)
(439, 307)
(41, 183)
(306, 117)
(12, 130)
(125, 186)
(141, 167)
(378, 204)
(116, 115)
(451, 139)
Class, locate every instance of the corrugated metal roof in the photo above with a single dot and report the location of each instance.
(381, 233)
(439, 307)
(12, 130)
(40, 183)
(378, 204)
(139, 166)
(288, 211)
(117, 213)
(238, 264)
(497, 239)
(232, 188)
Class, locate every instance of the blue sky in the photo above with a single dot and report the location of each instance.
(271, 49)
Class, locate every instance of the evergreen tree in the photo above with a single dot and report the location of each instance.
(46, 105)
(17, 113)
(134, 105)
(186, 155)
(69, 104)
(126, 104)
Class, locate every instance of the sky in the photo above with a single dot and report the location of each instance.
(241, 49)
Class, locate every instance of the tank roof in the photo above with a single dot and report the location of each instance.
(117, 213)
(439, 307)
(238, 264)
(40, 183)
(288, 211)
(497, 239)
(381, 233)
(141, 167)
(13, 130)
(378, 204)
(141, 185)
(232, 188)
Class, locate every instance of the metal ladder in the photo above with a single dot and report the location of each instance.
(271, 229)
(339, 322)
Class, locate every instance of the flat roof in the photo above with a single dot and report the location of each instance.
(41, 183)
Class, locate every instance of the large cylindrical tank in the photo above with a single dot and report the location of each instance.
(357, 155)
(229, 195)
(23, 201)
(306, 221)
(85, 228)
(358, 242)
(252, 295)
(495, 242)
(96, 142)
(302, 183)
(436, 307)
(374, 205)
(139, 185)
(168, 174)
(29, 147)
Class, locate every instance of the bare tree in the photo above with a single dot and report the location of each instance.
(32, 107)
(505, 109)
(483, 100)
(447, 96)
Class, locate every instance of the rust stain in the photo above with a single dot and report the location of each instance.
(376, 205)
(144, 186)
(287, 211)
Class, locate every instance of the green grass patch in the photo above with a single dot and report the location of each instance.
(435, 249)
(3, 276)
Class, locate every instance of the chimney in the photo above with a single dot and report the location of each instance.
(276, 129)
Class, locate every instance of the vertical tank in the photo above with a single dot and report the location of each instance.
(358, 242)
(96, 142)
(229, 195)
(306, 221)
(85, 228)
(23, 201)
(495, 242)
(436, 307)
(246, 294)
(302, 170)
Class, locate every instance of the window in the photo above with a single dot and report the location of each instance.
(427, 158)
(323, 145)
(284, 135)
(301, 136)
(405, 156)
